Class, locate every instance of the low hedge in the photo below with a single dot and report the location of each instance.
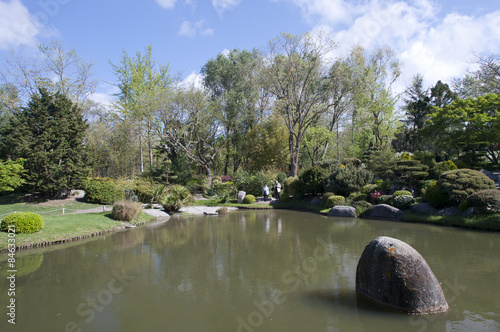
(23, 222)
(249, 199)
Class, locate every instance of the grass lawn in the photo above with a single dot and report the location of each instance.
(490, 222)
(69, 226)
(13, 203)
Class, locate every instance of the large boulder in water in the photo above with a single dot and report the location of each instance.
(393, 274)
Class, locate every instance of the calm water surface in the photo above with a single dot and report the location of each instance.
(247, 271)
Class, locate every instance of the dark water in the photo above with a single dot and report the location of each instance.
(247, 271)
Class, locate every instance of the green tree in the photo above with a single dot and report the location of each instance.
(233, 81)
(266, 146)
(191, 125)
(49, 134)
(11, 174)
(297, 78)
(468, 125)
(142, 83)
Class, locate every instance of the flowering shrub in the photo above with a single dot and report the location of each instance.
(374, 196)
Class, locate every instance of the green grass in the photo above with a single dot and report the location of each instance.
(489, 222)
(67, 227)
(12, 203)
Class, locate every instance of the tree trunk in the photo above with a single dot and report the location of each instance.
(150, 147)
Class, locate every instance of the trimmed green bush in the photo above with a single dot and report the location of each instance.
(357, 196)
(102, 191)
(249, 199)
(334, 200)
(401, 193)
(23, 222)
(290, 188)
(435, 195)
(175, 197)
(126, 210)
(485, 201)
(458, 184)
(311, 181)
(402, 202)
(324, 200)
(346, 180)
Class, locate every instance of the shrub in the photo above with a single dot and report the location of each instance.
(356, 197)
(249, 199)
(370, 188)
(126, 210)
(374, 196)
(344, 181)
(198, 184)
(402, 202)
(324, 200)
(460, 183)
(252, 183)
(435, 195)
(311, 181)
(361, 206)
(385, 199)
(144, 190)
(222, 210)
(224, 190)
(401, 193)
(290, 188)
(175, 197)
(485, 201)
(334, 200)
(102, 191)
(23, 222)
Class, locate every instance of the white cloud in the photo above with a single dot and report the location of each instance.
(431, 42)
(192, 29)
(223, 5)
(193, 80)
(17, 25)
(167, 4)
(105, 96)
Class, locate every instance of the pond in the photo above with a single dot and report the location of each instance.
(266, 270)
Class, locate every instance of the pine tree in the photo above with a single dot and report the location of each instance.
(49, 134)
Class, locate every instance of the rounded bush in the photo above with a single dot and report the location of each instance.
(290, 188)
(403, 202)
(126, 210)
(102, 191)
(334, 201)
(344, 181)
(485, 201)
(23, 222)
(324, 200)
(460, 183)
(435, 195)
(401, 193)
(355, 197)
(311, 180)
(249, 199)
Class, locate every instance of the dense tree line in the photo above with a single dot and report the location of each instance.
(283, 108)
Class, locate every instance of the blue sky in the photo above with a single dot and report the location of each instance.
(433, 38)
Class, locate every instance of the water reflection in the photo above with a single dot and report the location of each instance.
(249, 271)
